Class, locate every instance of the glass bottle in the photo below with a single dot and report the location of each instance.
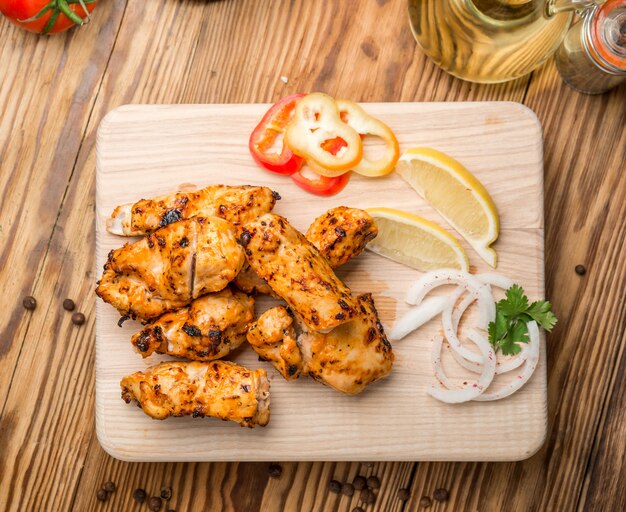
(491, 40)
(592, 57)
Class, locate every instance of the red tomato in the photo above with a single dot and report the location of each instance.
(322, 186)
(46, 16)
(267, 131)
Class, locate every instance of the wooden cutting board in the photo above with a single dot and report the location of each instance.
(144, 151)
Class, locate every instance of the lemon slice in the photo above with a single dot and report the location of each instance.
(456, 194)
(415, 241)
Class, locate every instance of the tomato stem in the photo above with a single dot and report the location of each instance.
(61, 6)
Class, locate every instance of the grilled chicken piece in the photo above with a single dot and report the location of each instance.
(348, 358)
(296, 272)
(342, 233)
(249, 282)
(237, 205)
(209, 328)
(220, 389)
(351, 356)
(171, 267)
(273, 337)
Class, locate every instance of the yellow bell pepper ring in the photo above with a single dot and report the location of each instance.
(316, 121)
(355, 117)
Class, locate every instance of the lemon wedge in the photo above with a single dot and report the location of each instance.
(415, 241)
(456, 194)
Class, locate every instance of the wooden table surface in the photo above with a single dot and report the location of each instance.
(53, 93)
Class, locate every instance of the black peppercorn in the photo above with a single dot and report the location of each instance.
(347, 489)
(368, 496)
(155, 503)
(334, 486)
(359, 482)
(102, 495)
(109, 486)
(166, 493)
(425, 502)
(441, 494)
(78, 319)
(275, 470)
(580, 270)
(139, 495)
(29, 303)
(373, 482)
(404, 494)
(68, 305)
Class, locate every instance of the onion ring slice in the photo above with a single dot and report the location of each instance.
(441, 277)
(417, 316)
(449, 330)
(471, 391)
(527, 371)
(502, 366)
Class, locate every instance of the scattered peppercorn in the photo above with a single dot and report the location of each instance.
(580, 270)
(155, 503)
(347, 489)
(404, 494)
(373, 482)
(368, 496)
(425, 502)
(68, 305)
(78, 319)
(441, 494)
(102, 495)
(357, 509)
(166, 493)
(359, 482)
(139, 495)
(275, 470)
(29, 303)
(109, 486)
(334, 486)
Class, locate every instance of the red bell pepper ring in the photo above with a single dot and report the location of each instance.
(322, 186)
(264, 137)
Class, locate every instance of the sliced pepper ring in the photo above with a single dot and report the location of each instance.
(316, 121)
(321, 186)
(264, 136)
(363, 123)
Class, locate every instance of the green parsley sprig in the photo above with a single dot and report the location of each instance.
(512, 313)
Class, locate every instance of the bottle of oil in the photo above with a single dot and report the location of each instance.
(491, 40)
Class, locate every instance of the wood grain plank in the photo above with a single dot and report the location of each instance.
(386, 53)
(606, 471)
(141, 149)
(50, 433)
(47, 91)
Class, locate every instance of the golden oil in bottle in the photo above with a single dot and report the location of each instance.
(488, 40)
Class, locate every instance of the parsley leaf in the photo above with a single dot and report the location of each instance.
(515, 303)
(512, 314)
(518, 333)
(540, 312)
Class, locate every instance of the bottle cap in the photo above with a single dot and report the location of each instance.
(608, 33)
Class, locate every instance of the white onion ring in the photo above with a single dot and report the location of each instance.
(449, 330)
(494, 279)
(417, 316)
(457, 314)
(527, 371)
(442, 277)
(507, 365)
(470, 392)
